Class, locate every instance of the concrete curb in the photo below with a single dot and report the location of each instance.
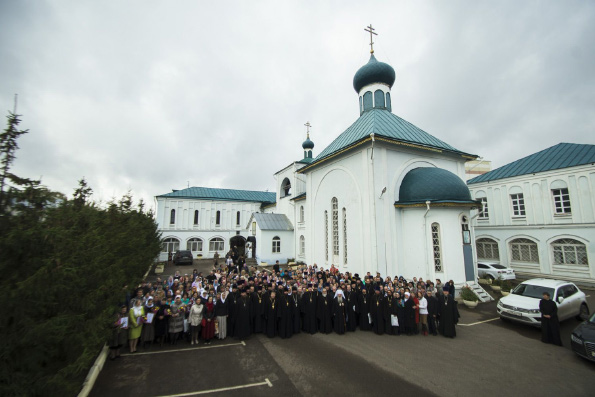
(94, 372)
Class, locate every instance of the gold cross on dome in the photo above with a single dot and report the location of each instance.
(371, 30)
(308, 125)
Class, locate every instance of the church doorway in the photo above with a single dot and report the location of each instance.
(252, 247)
(240, 243)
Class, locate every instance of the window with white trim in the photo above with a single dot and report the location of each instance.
(170, 245)
(301, 213)
(172, 217)
(484, 213)
(561, 201)
(238, 215)
(194, 244)
(302, 245)
(276, 245)
(436, 247)
(487, 249)
(518, 204)
(335, 206)
(326, 234)
(218, 218)
(524, 250)
(216, 244)
(568, 251)
(344, 236)
(196, 217)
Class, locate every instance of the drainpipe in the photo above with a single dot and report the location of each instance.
(426, 237)
(483, 207)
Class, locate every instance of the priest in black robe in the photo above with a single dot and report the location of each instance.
(409, 317)
(550, 326)
(258, 311)
(296, 310)
(432, 313)
(339, 313)
(377, 311)
(270, 315)
(324, 312)
(243, 316)
(284, 315)
(232, 298)
(350, 306)
(363, 310)
(389, 310)
(448, 314)
(309, 302)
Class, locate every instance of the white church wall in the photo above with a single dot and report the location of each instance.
(264, 241)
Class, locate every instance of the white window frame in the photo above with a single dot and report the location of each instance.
(172, 216)
(192, 242)
(335, 207)
(517, 202)
(326, 234)
(196, 218)
(238, 218)
(483, 245)
(170, 244)
(217, 218)
(567, 248)
(520, 246)
(216, 244)
(276, 245)
(302, 214)
(436, 248)
(484, 212)
(561, 199)
(302, 245)
(344, 236)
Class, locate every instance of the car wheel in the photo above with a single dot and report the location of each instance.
(490, 277)
(583, 314)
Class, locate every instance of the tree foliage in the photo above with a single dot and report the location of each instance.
(63, 265)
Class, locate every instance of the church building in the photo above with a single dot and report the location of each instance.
(384, 196)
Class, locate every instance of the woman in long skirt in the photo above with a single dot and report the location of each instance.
(195, 318)
(208, 321)
(221, 312)
(136, 324)
(176, 320)
(148, 334)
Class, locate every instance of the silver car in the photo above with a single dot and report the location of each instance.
(494, 271)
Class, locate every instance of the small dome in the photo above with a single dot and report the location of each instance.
(373, 72)
(432, 184)
(308, 144)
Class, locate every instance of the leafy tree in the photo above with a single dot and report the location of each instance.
(64, 263)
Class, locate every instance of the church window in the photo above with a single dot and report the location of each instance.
(238, 218)
(561, 201)
(172, 217)
(568, 251)
(484, 212)
(487, 249)
(276, 245)
(302, 245)
(218, 218)
(170, 245)
(301, 213)
(196, 217)
(379, 99)
(335, 206)
(518, 204)
(326, 234)
(216, 244)
(524, 250)
(344, 236)
(368, 103)
(436, 247)
(194, 244)
(285, 188)
(388, 104)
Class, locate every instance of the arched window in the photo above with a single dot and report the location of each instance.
(487, 249)
(379, 99)
(276, 245)
(568, 251)
(368, 103)
(326, 234)
(335, 206)
(170, 245)
(344, 236)
(436, 247)
(524, 250)
(302, 245)
(196, 217)
(216, 244)
(285, 188)
(218, 218)
(302, 213)
(172, 217)
(194, 244)
(238, 218)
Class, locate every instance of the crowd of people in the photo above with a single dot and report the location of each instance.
(236, 301)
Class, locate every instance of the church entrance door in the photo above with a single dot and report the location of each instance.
(239, 242)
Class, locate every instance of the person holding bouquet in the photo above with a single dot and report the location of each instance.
(135, 319)
(148, 334)
(119, 333)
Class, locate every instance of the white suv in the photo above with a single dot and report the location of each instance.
(522, 304)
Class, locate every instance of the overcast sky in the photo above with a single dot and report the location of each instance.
(152, 95)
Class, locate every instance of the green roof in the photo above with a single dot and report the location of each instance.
(562, 155)
(434, 185)
(206, 193)
(385, 124)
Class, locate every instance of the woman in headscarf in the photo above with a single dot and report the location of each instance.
(119, 333)
(135, 324)
(148, 334)
(176, 320)
(221, 312)
(208, 321)
(195, 319)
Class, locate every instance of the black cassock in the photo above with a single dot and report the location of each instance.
(447, 310)
(285, 316)
(243, 314)
(351, 301)
(363, 309)
(309, 301)
(296, 310)
(377, 313)
(409, 317)
(432, 313)
(232, 300)
(550, 327)
(257, 313)
(390, 308)
(324, 313)
(339, 313)
(270, 316)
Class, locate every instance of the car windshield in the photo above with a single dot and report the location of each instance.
(498, 267)
(532, 291)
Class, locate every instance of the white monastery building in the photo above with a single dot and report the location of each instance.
(538, 213)
(384, 196)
